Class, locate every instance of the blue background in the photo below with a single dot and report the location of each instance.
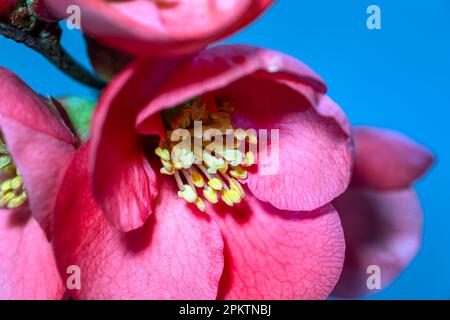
(397, 77)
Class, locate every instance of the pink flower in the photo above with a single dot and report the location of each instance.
(140, 234)
(143, 27)
(381, 213)
(35, 148)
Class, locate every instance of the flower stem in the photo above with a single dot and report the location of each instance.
(47, 42)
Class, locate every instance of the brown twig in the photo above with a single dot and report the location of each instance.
(46, 42)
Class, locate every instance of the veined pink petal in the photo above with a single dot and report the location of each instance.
(387, 160)
(271, 91)
(311, 162)
(28, 269)
(38, 141)
(383, 229)
(143, 27)
(273, 254)
(177, 254)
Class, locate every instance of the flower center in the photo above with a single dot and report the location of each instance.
(204, 153)
(12, 191)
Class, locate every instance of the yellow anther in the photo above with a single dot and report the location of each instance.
(234, 184)
(5, 160)
(182, 158)
(234, 195)
(188, 193)
(164, 154)
(252, 138)
(16, 183)
(167, 164)
(212, 162)
(6, 198)
(235, 157)
(166, 171)
(12, 192)
(240, 134)
(17, 201)
(200, 204)
(210, 194)
(216, 184)
(216, 166)
(239, 173)
(197, 179)
(225, 196)
(224, 169)
(6, 186)
(249, 159)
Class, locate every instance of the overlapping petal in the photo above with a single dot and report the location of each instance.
(40, 144)
(388, 160)
(142, 27)
(177, 254)
(382, 229)
(273, 254)
(381, 214)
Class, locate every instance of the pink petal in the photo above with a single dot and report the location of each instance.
(177, 254)
(28, 268)
(314, 151)
(388, 160)
(144, 27)
(273, 254)
(216, 68)
(381, 229)
(124, 184)
(40, 144)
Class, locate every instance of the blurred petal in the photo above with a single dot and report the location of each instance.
(382, 229)
(177, 254)
(142, 27)
(388, 160)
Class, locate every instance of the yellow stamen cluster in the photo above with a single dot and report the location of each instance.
(12, 191)
(210, 168)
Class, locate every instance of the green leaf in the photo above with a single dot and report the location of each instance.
(79, 110)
